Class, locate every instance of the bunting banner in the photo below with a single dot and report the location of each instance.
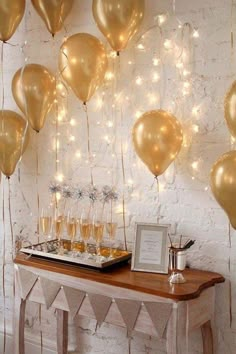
(129, 310)
(101, 305)
(159, 314)
(27, 281)
(70, 300)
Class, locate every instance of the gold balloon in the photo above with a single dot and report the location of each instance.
(157, 139)
(53, 12)
(83, 64)
(223, 184)
(118, 20)
(230, 109)
(33, 88)
(12, 133)
(11, 13)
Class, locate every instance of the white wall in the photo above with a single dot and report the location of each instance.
(184, 200)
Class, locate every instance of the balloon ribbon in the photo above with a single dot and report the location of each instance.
(88, 140)
(3, 271)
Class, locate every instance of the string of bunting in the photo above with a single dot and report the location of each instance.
(58, 296)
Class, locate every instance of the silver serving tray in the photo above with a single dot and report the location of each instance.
(38, 251)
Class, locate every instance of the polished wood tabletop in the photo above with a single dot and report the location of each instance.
(123, 277)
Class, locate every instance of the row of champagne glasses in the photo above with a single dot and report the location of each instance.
(89, 224)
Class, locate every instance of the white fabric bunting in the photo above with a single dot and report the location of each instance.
(50, 290)
(159, 314)
(101, 305)
(27, 281)
(74, 299)
(129, 310)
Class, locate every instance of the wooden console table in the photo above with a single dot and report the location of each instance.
(192, 303)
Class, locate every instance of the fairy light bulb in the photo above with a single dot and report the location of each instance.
(195, 128)
(161, 19)
(139, 80)
(155, 77)
(109, 124)
(72, 122)
(138, 114)
(130, 62)
(72, 138)
(168, 44)
(195, 111)
(59, 177)
(58, 196)
(195, 165)
(179, 65)
(186, 73)
(109, 76)
(140, 46)
(155, 61)
(186, 84)
(78, 154)
(152, 98)
(206, 188)
(195, 34)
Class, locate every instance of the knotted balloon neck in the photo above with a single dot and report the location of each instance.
(117, 53)
(157, 182)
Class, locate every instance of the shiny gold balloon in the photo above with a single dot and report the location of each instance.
(223, 184)
(53, 12)
(83, 64)
(230, 109)
(157, 138)
(33, 88)
(11, 13)
(118, 20)
(12, 133)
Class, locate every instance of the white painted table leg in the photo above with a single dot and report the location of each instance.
(19, 321)
(177, 338)
(207, 338)
(62, 331)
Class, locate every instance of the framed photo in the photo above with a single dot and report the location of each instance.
(150, 252)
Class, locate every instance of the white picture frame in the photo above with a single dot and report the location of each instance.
(150, 252)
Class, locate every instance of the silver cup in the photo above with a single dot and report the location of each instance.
(177, 263)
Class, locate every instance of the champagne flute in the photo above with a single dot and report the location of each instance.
(71, 225)
(98, 229)
(58, 228)
(111, 226)
(85, 230)
(45, 222)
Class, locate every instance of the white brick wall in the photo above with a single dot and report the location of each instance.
(183, 202)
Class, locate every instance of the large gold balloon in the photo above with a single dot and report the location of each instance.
(11, 13)
(83, 64)
(118, 20)
(33, 88)
(223, 184)
(12, 133)
(230, 109)
(157, 139)
(53, 12)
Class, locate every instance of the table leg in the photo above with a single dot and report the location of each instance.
(177, 336)
(207, 338)
(62, 331)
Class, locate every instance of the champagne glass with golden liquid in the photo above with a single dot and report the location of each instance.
(45, 222)
(71, 226)
(59, 220)
(111, 227)
(98, 231)
(85, 225)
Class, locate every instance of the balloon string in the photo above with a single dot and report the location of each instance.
(229, 268)
(2, 75)
(10, 218)
(3, 270)
(40, 325)
(129, 345)
(37, 182)
(88, 141)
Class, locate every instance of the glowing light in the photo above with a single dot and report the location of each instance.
(206, 188)
(161, 19)
(186, 84)
(168, 44)
(60, 86)
(195, 128)
(195, 110)
(109, 75)
(72, 122)
(130, 181)
(72, 138)
(155, 61)
(130, 62)
(99, 103)
(155, 77)
(186, 72)
(59, 177)
(152, 98)
(195, 34)
(140, 46)
(195, 165)
(139, 81)
(138, 114)
(109, 124)
(179, 65)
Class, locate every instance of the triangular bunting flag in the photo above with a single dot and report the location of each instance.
(129, 310)
(27, 280)
(159, 313)
(50, 290)
(101, 305)
(74, 299)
